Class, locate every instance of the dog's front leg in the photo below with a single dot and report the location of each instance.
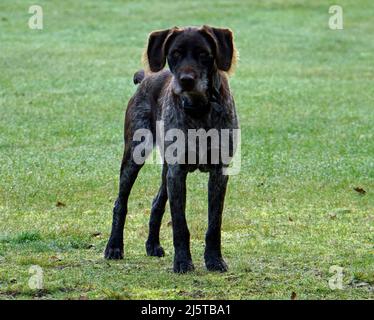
(216, 195)
(176, 188)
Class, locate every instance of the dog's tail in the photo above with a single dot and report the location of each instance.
(139, 76)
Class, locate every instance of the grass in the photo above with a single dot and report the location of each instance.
(305, 98)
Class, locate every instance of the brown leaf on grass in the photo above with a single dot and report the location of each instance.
(60, 204)
(293, 295)
(359, 190)
(55, 258)
(96, 234)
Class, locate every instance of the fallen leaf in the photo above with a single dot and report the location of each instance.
(96, 234)
(359, 190)
(60, 204)
(55, 258)
(293, 295)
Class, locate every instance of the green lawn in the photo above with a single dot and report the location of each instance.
(305, 97)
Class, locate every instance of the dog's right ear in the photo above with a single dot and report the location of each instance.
(157, 46)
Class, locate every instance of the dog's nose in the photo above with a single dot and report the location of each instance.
(187, 81)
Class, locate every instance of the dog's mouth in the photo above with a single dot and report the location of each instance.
(194, 98)
(178, 89)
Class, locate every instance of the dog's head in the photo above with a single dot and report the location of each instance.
(193, 55)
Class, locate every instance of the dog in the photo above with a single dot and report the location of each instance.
(193, 94)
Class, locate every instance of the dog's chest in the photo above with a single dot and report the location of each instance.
(198, 142)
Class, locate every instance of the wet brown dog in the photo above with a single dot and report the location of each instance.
(193, 94)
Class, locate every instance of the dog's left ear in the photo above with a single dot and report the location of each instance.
(157, 47)
(223, 43)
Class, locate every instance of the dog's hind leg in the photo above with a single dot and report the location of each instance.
(137, 125)
(152, 245)
(129, 172)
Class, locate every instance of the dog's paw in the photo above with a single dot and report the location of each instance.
(216, 264)
(183, 266)
(113, 253)
(154, 250)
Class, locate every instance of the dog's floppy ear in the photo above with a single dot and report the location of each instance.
(223, 43)
(157, 46)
